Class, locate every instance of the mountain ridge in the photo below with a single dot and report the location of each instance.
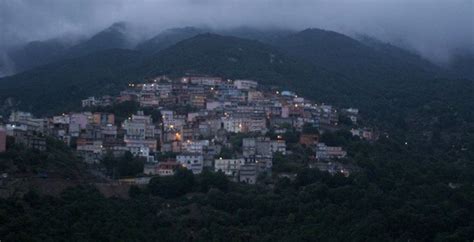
(214, 54)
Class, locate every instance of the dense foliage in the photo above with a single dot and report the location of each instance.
(60, 86)
(124, 166)
(360, 61)
(57, 160)
(398, 198)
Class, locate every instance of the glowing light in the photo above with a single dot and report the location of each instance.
(178, 136)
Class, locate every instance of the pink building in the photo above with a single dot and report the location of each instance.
(3, 139)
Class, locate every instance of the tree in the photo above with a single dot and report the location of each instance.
(127, 165)
(208, 180)
(177, 185)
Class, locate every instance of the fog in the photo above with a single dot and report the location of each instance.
(433, 28)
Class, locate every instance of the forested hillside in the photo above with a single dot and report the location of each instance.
(61, 85)
(397, 197)
(368, 64)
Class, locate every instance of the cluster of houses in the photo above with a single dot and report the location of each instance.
(198, 113)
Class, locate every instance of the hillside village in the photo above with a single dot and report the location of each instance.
(197, 122)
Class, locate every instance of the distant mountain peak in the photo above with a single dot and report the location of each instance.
(168, 38)
(115, 36)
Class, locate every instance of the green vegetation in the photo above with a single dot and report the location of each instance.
(57, 160)
(125, 166)
(360, 61)
(60, 86)
(396, 197)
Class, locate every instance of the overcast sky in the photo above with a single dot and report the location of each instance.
(432, 27)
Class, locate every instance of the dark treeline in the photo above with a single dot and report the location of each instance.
(400, 194)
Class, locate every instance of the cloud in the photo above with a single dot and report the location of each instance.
(434, 28)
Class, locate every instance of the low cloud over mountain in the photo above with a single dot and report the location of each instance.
(434, 28)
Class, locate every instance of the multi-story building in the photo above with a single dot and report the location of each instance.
(324, 152)
(165, 168)
(245, 84)
(103, 118)
(233, 125)
(198, 101)
(149, 99)
(248, 173)
(192, 161)
(90, 150)
(29, 139)
(19, 117)
(140, 131)
(229, 167)
(204, 80)
(90, 102)
(194, 146)
(262, 147)
(78, 122)
(364, 133)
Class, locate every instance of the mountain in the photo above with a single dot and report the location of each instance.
(7, 66)
(168, 38)
(60, 86)
(268, 35)
(399, 54)
(113, 37)
(37, 53)
(371, 61)
(241, 58)
(463, 65)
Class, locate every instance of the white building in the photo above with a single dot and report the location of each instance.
(233, 125)
(78, 122)
(245, 84)
(248, 173)
(90, 151)
(61, 119)
(230, 167)
(194, 146)
(171, 121)
(89, 102)
(324, 152)
(140, 131)
(192, 161)
(139, 127)
(263, 147)
(205, 81)
(19, 116)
